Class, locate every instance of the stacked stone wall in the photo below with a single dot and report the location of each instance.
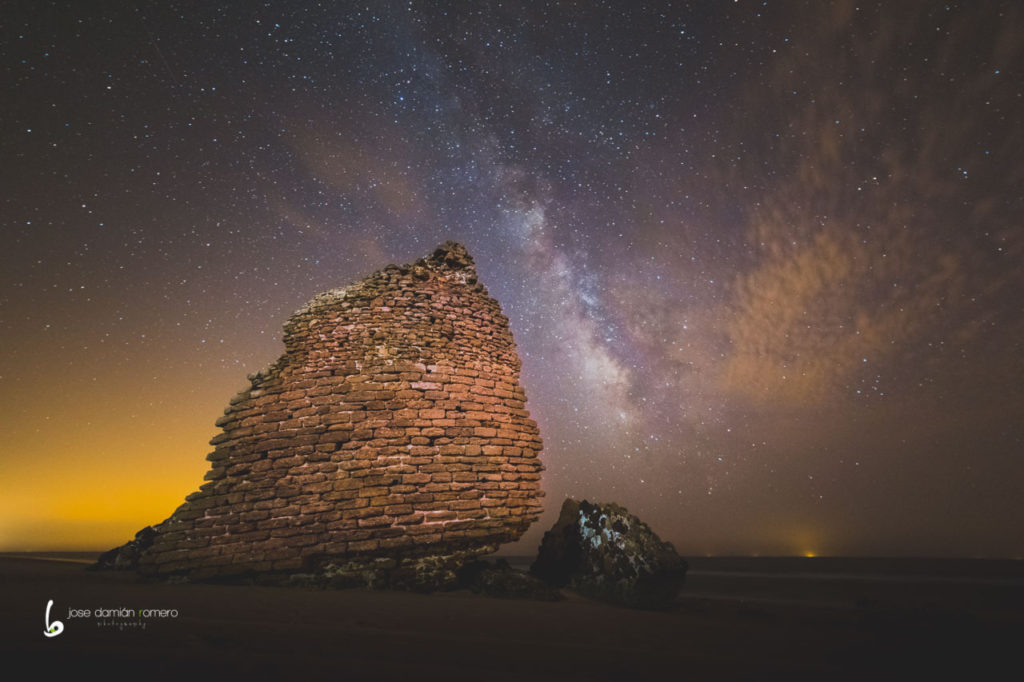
(393, 426)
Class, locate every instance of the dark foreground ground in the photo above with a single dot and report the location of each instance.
(737, 619)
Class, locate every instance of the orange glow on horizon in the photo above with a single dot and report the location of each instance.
(87, 475)
(96, 503)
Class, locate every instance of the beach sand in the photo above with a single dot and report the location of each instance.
(710, 634)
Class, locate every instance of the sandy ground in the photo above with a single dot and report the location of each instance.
(273, 632)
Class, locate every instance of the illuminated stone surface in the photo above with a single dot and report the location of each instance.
(603, 551)
(387, 446)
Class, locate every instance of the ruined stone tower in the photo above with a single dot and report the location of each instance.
(388, 444)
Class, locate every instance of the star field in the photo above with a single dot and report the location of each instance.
(762, 260)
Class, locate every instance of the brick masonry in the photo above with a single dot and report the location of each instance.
(393, 426)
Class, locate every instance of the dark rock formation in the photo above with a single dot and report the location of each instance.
(389, 444)
(603, 551)
(499, 579)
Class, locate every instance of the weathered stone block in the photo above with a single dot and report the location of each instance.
(380, 427)
(603, 551)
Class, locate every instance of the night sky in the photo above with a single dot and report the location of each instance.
(762, 260)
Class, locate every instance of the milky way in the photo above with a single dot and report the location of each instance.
(762, 260)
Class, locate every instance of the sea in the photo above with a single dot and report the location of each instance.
(988, 587)
(981, 586)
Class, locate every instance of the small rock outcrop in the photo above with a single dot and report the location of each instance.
(388, 446)
(603, 551)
